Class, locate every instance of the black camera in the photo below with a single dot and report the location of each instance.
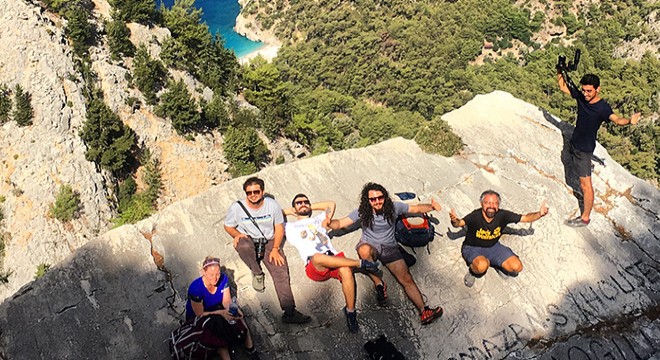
(260, 248)
(571, 66)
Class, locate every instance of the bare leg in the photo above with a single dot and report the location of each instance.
(248, 336)
(224, 353)
(588, 197)
(480, 265)
(322, 262)
(400, 271)
(348, 287)
(512, 265)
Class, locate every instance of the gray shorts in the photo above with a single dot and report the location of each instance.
(496, 254)
(385, 253)
(581, 162)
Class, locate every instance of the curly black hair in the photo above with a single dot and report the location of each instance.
(366, 212)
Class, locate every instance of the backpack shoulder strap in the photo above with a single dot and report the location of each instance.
(251, 218)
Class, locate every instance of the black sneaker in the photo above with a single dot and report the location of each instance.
(351, 320)
(295, 317)
(369, 265)
(381, 294)
(577, 222)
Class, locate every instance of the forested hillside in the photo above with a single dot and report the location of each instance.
(386, 68)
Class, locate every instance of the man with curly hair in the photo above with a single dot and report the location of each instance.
(377, 214)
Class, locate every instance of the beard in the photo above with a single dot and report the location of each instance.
(490, 212)
(256, 202)
(306, 211)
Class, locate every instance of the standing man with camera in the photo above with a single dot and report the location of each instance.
(592, 111)
(257, 226)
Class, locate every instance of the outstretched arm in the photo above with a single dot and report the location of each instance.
(531, 217)
(335, 224)
(634, 119)
(424, 208)
(455, 221)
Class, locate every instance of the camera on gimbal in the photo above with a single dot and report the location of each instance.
(571, 66)
(564, 69)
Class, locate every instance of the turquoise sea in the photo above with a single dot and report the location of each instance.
(220, 16)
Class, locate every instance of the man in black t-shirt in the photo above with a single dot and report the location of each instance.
(484, 226)
(592, 112)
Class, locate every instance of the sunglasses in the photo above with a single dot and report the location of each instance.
(252, 192)
(209, 262)
(300, 202)
(377, 198)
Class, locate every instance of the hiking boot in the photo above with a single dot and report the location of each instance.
(469, 279)
(381, 294)
(258, 282)
(577, 222)
(295, 317)
(351, 320)
(430, 314)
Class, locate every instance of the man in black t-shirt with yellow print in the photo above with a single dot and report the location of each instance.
(481, 248)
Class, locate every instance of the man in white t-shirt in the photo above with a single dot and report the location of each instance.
(322, 260)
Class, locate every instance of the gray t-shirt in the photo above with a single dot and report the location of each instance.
(381, 232)
(269, 214)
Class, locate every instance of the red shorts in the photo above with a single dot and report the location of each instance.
(316, 275)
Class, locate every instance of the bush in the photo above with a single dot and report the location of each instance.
(42, 269)
(437, 138)
(67, 204)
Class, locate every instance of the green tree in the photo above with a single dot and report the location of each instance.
(5, 104)
(23, 112)
(79, 29)
(133, 206)
(149, 74)
(118, 38)
(244, 151)
(139, 11)
(110, 144)
(67, 204)
(178, 106)
(215, 114)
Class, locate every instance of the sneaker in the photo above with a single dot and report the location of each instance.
(381, 294)
(430, 314)
(258, 282)
(351, 320)
(577, 222)
(505, 275)
(295, 317)
(369, 265)
(253, 355)
(469, 279)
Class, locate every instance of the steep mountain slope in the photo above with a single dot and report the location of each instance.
(120, 295)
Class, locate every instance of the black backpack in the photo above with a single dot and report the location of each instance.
(414, 231)
(382, 349)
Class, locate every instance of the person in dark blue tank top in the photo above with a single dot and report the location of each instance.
(592, 111)
(209, 295)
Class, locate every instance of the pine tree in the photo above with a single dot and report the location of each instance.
(118, 38)
(109, 143)
(79, 29)
(180, 108)
(23, 112)
(140, 11)
(5, 104)
(244, 151)
(149, 74)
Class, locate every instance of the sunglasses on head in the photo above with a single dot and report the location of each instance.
(377, 198)
(209, 262)
(252, 192)
(300, 202)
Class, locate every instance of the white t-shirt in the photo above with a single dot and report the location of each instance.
(309, 237)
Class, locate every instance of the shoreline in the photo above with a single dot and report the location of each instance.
(268, 52)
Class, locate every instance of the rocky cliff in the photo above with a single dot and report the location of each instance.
(585, 293)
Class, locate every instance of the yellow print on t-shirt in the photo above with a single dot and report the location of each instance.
(486, 235)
